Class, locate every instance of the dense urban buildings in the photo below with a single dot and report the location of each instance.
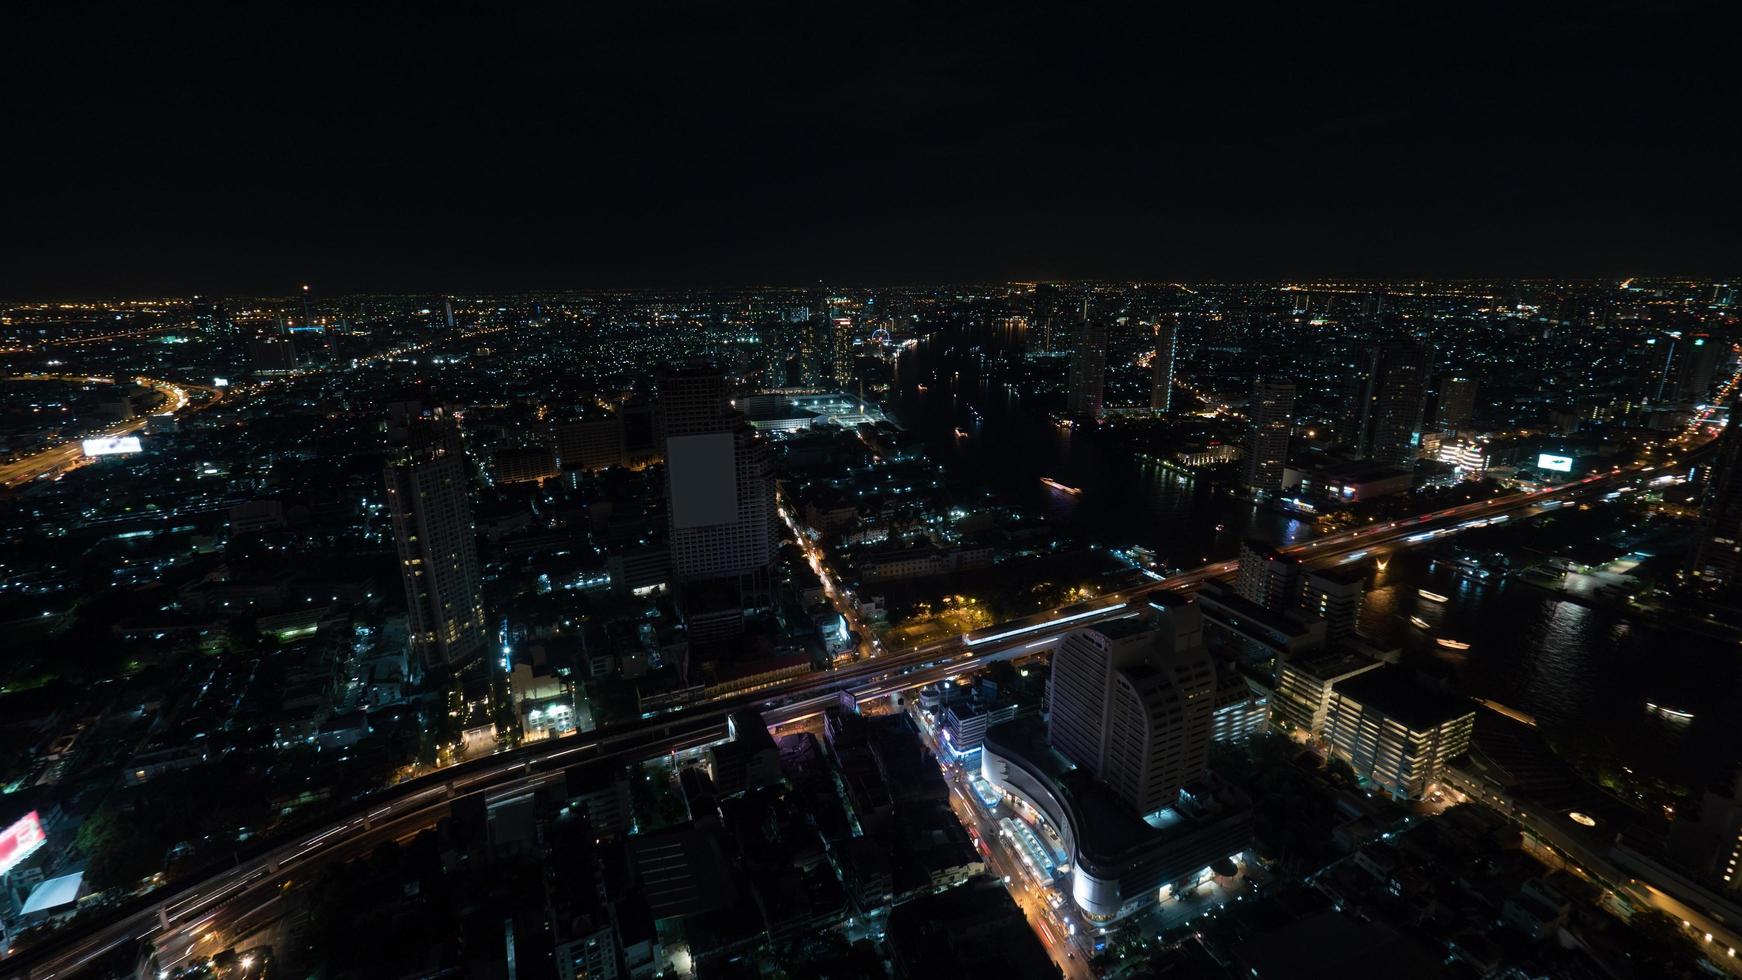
(823, 634)
(638, 491)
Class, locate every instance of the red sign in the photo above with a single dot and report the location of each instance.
(20, 841)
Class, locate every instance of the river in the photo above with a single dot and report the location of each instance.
(1579, 669)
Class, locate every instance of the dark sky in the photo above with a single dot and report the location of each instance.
(248, 147)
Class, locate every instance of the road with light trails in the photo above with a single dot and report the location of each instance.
(59, 459)
(211, 903)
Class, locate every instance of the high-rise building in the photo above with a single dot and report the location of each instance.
(841, 336)
(211, 318)
(1658, 361)
(437, 545)
(1708, 840)
(1266, 576)
(722, 513)
(1334, 595)
(1387, 417)
(525, 464)
(1272, 418)
(1457, 403)
(1717, 558)
(270, 355)
(1132, 703)
(1396, 733)
(1088, 366)
(1161, 369)
(1694, 367)
(590, 444)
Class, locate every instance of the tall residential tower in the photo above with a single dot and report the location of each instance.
(1272, 418)
(438, 554)
(1088, 366)
(1389, 396)
(1161, 369)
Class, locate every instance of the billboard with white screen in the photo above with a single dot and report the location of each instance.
(111, 445)
(1559, 464)
(704, 479)
(20, 841)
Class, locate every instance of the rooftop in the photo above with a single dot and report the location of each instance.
(1105, 826)
(1119, 629)
(1393, 691)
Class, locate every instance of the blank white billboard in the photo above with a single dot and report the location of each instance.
(110, 445)
(704, 479)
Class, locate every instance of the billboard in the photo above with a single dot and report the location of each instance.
(20, 841)
(1559, 464)
(704, 479)
(111, 445)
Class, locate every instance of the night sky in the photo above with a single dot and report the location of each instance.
(156, 148)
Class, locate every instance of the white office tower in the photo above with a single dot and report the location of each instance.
(438, 554)
(1132, 703)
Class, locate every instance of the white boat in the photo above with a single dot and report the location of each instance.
(1431, 596)
(1672, 714)
(1056, 485)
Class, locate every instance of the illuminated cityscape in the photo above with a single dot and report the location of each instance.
(622, 494)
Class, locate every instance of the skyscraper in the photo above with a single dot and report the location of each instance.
(271, 354)
(438, 554)
(841, 336)
(1717, 559)
(1161, 369)
(1272, 418)
(1457, 403)
(1088, 366)
(1387, 418)
(1695, 365)
(1132, 704)
(721, 514)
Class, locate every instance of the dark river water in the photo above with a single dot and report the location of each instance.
(1582, 670)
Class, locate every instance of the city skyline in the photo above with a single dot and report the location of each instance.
(763, 491)
(1050, 624)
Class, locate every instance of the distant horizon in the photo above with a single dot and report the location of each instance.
(316, 295)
